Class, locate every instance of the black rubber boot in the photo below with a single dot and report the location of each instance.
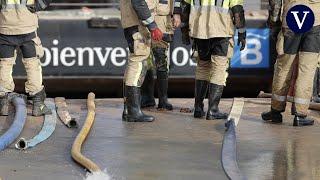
(125, 112)
(272, 116)
(162, 79)
(200, 94)
(316, 87)
(125, 108)
(316, 99)
(215, 93)
(4, 105)
(302, 121)
(147, 91)
(132, 104)
(39, 108)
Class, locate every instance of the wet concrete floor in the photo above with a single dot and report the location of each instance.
(174, 147)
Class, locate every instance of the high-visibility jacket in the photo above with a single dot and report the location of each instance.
(16, 19)
(211, 18)
(314, 5)
(130, 18)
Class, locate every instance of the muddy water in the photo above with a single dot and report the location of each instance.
(98, 176)
(175, 146)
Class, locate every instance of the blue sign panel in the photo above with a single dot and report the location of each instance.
(256, 54)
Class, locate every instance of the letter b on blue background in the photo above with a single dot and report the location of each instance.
(300, 19)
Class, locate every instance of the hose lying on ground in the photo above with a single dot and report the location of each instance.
(63, 113)
(76, 147)
(229, 145)
(18, 123)
(49, 125)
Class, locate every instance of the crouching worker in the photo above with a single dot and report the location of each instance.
(212, 26)
(18, 30)
(137, 20)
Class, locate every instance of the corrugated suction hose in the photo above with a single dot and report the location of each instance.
(18, 123)
(76, 148)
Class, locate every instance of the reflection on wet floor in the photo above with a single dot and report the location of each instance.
(176, 146)
(280, 151)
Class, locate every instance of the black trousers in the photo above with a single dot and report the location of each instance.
(9, 43)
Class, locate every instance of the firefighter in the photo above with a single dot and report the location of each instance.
(212, 26)
(167, 18)
(306, 47)
(137, 18)
(18, 31)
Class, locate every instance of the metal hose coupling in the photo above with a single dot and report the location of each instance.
(49, 126)
(19, 103)
(81, 137)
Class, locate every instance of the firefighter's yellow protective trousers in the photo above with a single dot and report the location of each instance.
(137, 61)
(289, 46)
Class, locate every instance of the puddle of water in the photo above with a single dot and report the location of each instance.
(98, 176)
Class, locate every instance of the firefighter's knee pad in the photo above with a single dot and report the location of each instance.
(6, 79)
(203, 70)
(219, 70)
(34, 75)
(161, 59)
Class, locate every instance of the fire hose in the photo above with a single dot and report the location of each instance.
(76, 147)
(63, 113)
(229, 145)
(18, 123)
(312, 106)
(47, 130)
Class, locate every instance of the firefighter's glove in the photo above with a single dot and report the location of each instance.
(242, 36)
(239, 22)
(156, 34)
(32, 8)
(39, 5)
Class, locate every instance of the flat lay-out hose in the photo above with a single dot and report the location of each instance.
(229, 145)
(49, 125)
(18, 123)
(81, 137)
